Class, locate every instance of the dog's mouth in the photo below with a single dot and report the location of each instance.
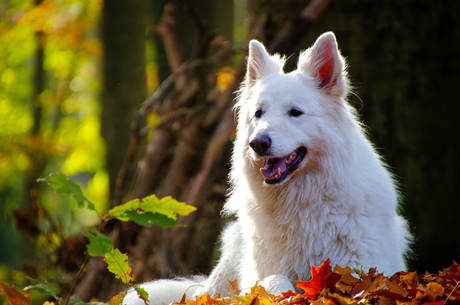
(277, 169)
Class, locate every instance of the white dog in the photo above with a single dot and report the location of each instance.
(306, 184)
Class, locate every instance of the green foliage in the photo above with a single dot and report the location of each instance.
(63, 186)
(151, 210)
(49, 127)
(118, 265)
(147, 219)
(99, 244)
(42, 288)
(142, 293)
(56, 127)
(147, 211)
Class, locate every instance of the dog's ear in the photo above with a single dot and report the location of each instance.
(325, 64)
(260, 63)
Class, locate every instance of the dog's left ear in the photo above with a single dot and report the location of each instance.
(260, 63)
(325, 64)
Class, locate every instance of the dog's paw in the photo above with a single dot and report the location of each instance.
(275, 284)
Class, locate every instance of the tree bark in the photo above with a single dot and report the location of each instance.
(124, 86)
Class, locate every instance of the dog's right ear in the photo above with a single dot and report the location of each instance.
(260, 63)
(325, 64)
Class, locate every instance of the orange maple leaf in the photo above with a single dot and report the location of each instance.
(205, 299)
(289, 293)
(321, 277)
(234, 287)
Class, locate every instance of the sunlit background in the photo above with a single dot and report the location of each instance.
(50, 57)
(50, 122)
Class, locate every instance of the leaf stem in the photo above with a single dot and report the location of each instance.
(450, 294)
(76, 278)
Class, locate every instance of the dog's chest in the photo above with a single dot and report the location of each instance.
(292, 248)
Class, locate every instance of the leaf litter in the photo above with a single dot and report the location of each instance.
(343, 286)
(330, 286)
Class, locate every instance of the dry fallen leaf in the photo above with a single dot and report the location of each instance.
(14, 296)
(321, 277)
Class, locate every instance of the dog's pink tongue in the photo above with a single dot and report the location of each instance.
(273, 168)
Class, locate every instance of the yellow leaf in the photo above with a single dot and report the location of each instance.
(435, 289)
(224, 78)
(410, 279)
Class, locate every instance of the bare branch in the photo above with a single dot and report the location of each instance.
(162, 137)
(167, 31)
(213, 152)
(149, 169)
(182, 160)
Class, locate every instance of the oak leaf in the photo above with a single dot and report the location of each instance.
(390, 289)
(63, 186)
(342, 271)
(452, 272)
(346, 283)
(117, 263)
(151, 210)
(410, 278)
(260, 291)
(362, 287)
(99, 244)
(35, 285)
(142, 294)
(117, 299)
(433, 291)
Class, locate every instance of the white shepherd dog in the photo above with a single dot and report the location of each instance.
(306, 183)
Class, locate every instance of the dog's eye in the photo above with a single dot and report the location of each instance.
(258, 113)
(295, 112)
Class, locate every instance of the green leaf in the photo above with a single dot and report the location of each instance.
(147, 219)
(142, 293)
(118, 265)
(41, 288)
(151, 204)
(63, 186)
(77, 301)
(244, 300)
(99, 244)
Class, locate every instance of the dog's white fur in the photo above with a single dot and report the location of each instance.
(340, 203)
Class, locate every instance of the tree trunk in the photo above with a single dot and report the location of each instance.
(124, 85)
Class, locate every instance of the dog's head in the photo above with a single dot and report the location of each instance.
(286, 120)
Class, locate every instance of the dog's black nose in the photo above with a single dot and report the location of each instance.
(261, 144)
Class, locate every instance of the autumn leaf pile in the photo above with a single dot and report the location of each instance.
(338, 286)
(344, 286)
